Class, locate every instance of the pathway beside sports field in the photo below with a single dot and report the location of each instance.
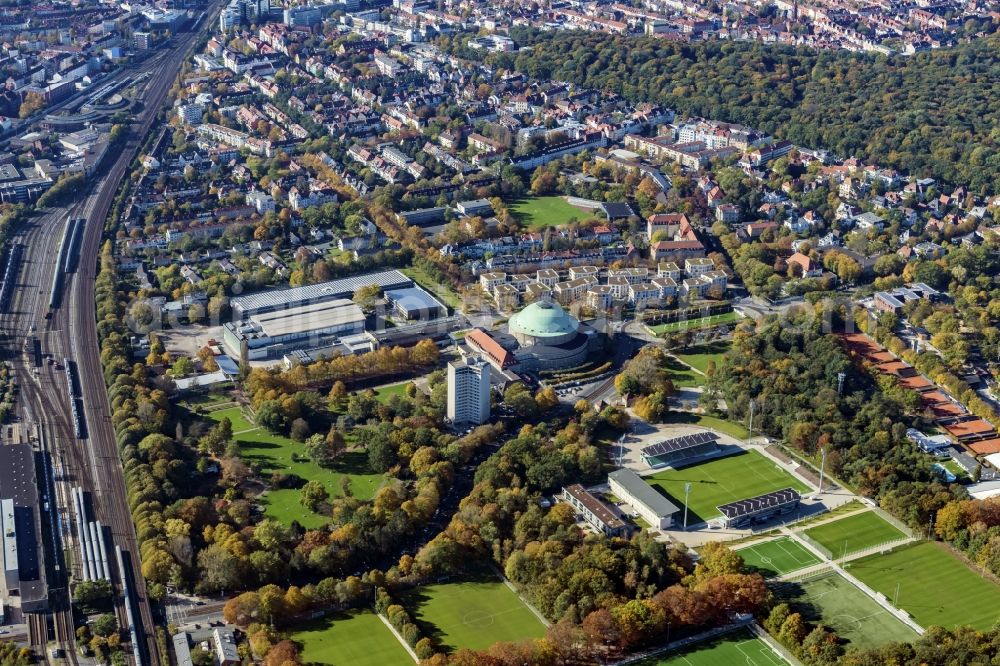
(399, 638)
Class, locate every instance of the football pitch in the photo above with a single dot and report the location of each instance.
(738, 648)
(472, 614)
(835, 602)
(780, 556)
(935, 587)
(721, 481)
(350, 639)
(855, 532)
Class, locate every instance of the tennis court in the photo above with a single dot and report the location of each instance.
(777, 557)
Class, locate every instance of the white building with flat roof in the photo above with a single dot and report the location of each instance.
(469, 391)
(654, 508)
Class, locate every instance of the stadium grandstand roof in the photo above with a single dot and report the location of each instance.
(677, 444)
(753, 505)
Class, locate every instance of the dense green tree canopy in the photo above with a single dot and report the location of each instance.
(934, 114)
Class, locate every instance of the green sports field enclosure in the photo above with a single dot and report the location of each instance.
(853, 533)
(777, 557)
(722, 480)
(838, 604)
(350, 639)
(739, 648)
(934, 586)
(472, 614)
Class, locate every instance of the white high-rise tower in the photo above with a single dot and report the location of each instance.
(469, 391)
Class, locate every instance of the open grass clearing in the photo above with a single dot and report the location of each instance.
(777, 557)
(836, 603)
(699, 356)
(350, 639)
(276, 453)
(383, 393)
(473, 613)
(722, 480)
(934, 586)
(681, 375)
(855, 532)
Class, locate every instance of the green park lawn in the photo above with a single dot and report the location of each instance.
(835, 602)
(699, 356)
(539, 212)
(855, 532)
(695, 324)
(472, 614)
(738, 648)
(778, 556)
(681, 375)
(274, 453)
(721, 481)
(350, 639)
(935, 587)
(383, 393)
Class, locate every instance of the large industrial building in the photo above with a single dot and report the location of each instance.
(469, 391)
(20, 522)
(542, 336)
(321, 320)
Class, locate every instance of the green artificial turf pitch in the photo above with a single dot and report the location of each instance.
(472, 614)
(350, 639)
(274, 454)
(777, 557)
(835, 602)
(935, 587)
(695, 324)
(539, 212)
(739, 648)
(721, 481)
(855, 532)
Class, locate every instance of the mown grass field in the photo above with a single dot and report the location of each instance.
(536, 213)
(935, 587)
(275, 453)
(383, 393)
(739, 648)
(681, 375)
(836, 603)
(350, 639)
(722, 480)
(853, 533)
(472, 614)
(699, 356)
(777, 557)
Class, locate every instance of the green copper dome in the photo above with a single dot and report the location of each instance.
(543, 320)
